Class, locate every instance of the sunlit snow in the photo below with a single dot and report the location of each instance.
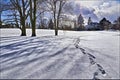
(71, 55)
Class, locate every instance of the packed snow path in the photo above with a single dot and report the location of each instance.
(73, 55)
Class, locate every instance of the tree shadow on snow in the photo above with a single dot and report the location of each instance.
(30, 50)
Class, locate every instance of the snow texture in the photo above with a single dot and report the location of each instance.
(71, 55)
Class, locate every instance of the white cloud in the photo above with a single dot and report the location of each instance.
(88, 3)
(109, 10)
(99, 9)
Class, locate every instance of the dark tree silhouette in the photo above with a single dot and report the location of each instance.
(116, 24)
(105, 24)
(80, 22)
(22, 7)
(51, 24)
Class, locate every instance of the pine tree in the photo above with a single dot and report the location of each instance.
(116, 24)
(80, 22)
(51, 24)
(89, 21)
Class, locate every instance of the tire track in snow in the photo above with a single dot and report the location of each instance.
(92, 58)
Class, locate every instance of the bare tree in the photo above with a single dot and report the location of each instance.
(56, 7)
(22, 7)
(3, 7)
(13, 18)
(41, 9)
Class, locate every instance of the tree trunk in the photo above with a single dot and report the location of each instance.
(23, 28)
(33, 17)
(23, 32)
(22, 11)
(56, 32)
(58, 16)
(33, 29)
(55, 26)
(34, 21)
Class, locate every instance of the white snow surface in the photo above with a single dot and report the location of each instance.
(71, 55)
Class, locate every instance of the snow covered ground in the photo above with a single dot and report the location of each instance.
(71, 55)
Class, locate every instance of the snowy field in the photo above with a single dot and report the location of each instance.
(71, 55)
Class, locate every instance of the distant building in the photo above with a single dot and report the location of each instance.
(92, 25)
(7, 26)
(67, 23)
(105, 24)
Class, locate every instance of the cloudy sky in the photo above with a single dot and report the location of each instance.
(97, 9)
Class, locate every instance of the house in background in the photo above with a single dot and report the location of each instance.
(67, 22)
(92, 25)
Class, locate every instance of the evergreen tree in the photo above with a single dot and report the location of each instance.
(51, 24)
(80, 22)
(116, 24)
(89, 20)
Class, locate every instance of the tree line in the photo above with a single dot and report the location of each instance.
(19, 12)
(27, 13)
